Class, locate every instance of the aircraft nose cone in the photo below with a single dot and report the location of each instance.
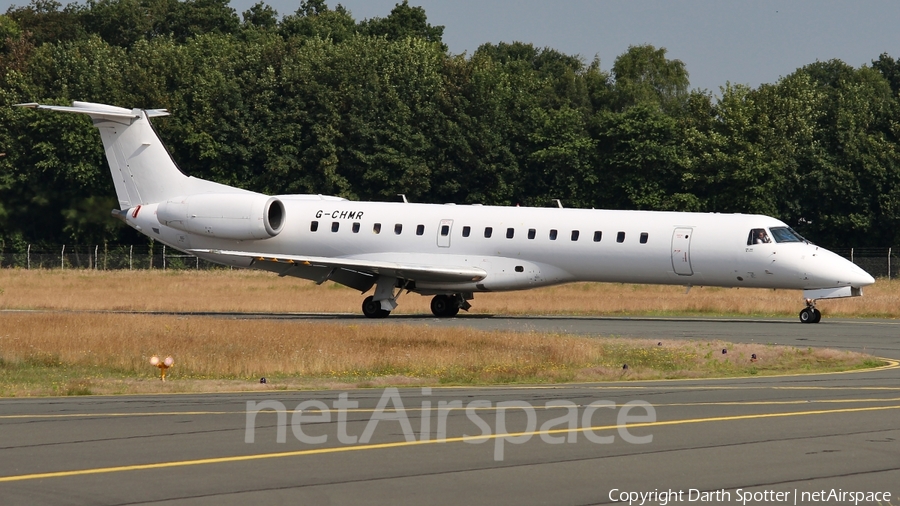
(830, 269)
(854, 274)
(861, 278)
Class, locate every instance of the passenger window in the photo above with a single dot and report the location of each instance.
(531, 233)
(598, 235)
(552, 235)
(466, 231)
(314, 226)
(445, 230)
(420, 229)
(488, 231)
(335, 226)
(758, 236)
(376, 229)
(398, 228)
(620, 237)
(510, 232)
(355, 227)
(644, 236)
(575, 235)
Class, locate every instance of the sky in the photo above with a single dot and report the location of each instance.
(746, 42)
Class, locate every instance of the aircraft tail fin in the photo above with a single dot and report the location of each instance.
(142, 169)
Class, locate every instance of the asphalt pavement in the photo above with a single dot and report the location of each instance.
(819, 439)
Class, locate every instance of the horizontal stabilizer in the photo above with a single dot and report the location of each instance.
(417, 272)
(90, 109)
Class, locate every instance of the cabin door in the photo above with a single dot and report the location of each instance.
(681, 251)
(443, 238)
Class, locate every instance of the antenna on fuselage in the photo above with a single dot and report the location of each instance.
(403, 196)
(558, 203)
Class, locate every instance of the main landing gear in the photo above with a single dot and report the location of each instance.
(442, 305)
(372, 309)
(810, 314)
(445, 306)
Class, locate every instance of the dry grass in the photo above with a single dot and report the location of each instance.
(239, 290)
(71, 354)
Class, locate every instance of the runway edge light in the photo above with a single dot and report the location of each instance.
(162, 364)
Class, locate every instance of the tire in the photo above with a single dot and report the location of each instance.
(372, 309)
(806, 316)
(444, 306)
(817, 316)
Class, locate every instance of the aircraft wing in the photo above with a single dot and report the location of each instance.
(407, 271)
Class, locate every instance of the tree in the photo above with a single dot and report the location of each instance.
(639, 163)
(315, 20)
(52, 190)
(261, 16)
(45, 21)
(404, 21)
(890, 70)
(847, 173)
(190, 18)
(560, 162)
(123, 22)
(643, 75)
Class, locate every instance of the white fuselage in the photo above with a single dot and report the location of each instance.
(633, 246)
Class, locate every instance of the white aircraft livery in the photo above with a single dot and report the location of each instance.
(449, 251)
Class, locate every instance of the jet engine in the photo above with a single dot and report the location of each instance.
(239, 216)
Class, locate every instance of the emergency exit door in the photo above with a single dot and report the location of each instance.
(444, 229)
(681, 251)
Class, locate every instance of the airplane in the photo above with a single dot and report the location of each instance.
(448, 251)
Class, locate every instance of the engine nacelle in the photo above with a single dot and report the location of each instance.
(238, 216)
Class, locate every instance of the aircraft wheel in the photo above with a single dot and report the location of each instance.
(817, 316)
(372, 309)
(807, 315)
(444, 306)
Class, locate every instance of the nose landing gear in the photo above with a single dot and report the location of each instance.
(810, 314)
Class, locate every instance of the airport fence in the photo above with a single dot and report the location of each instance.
(104, 257)
(879, 262)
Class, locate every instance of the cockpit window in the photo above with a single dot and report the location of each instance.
(758, 236)
(786, 234)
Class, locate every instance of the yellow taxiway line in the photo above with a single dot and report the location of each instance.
(402, 444)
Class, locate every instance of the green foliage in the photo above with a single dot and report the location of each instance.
(9, 29)
(47, 22)
(315, 20)
(261, 16)
(644, 75)
(316, 102)
(404, 21)
(638, 153)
